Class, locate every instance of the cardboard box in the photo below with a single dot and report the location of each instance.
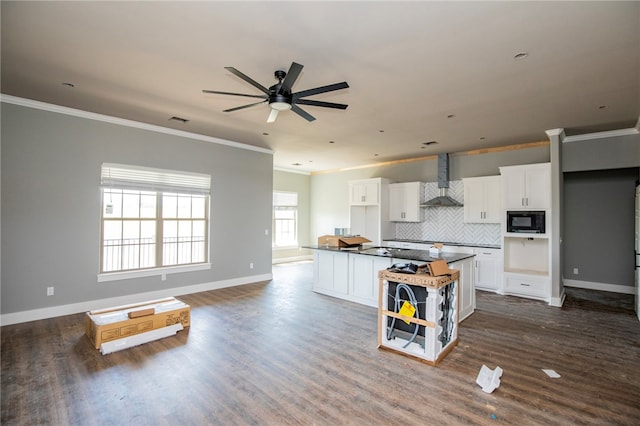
(109, 324)
(438, 267)
(338, 241)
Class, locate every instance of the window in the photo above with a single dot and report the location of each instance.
(153, 219)
(285, 219)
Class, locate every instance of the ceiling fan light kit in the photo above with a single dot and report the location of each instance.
(279, 96)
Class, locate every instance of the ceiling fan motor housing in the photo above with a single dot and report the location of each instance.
(280, 96)
(280, 101)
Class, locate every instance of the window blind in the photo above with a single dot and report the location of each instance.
(285, 199)
(146, 178)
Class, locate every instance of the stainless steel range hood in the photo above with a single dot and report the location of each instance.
(443, 200)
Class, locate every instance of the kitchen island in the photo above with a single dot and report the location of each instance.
(352, 273)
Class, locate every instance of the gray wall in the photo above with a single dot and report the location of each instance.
(299, 183)
(600, 176)
(329, 192)
(598, 226)
(602, 153)
(51, 205)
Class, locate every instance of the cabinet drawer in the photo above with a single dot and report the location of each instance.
(527, 285)
(488, 253)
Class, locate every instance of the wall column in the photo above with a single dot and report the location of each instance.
(556, 136)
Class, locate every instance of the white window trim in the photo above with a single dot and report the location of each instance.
(293, 246)
(140, 178)
(141, 273)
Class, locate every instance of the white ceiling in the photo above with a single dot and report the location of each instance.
(409, 66)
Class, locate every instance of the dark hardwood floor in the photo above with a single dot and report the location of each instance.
(275, 353)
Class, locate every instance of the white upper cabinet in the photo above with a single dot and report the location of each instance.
(404, 202)
(527, 187)
(482, 199)
(364, 192)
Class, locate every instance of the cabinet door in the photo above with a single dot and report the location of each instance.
(323, 279)
(412, 197)
(364, 277)
(466, 287)
(488, 269)
(493, 200)
(538, 188)
(396, 203)
(331, 272)
(404, 202)
(473, 201)
(527, 187)
(513, 189)
(341, 273)
(483, 200)
(364, 193)
(365, 221)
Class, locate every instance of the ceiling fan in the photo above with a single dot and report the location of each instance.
(279, 95)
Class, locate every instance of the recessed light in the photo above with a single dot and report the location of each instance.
(296, 164)
(265, 134)
(450, 116)
(381, 131)
(482, 138)
(180, 119)
(520, 56)
(375, 155)
(69, 84)
(429, 143)
(603, 107)
(332, 141)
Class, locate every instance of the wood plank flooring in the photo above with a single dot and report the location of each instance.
(275, 353)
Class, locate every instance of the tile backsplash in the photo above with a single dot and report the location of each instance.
(447, 223)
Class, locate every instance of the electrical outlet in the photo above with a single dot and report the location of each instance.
(266, 232)
(49, 291)
(575, 271)
(251, 265)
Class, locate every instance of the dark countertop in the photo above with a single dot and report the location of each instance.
(396, 253)
(493, 246)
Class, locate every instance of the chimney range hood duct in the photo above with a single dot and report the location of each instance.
(443, 183)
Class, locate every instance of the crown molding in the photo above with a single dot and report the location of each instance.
(300, 172)
(601, 135)
(125, 122)
(556, 132)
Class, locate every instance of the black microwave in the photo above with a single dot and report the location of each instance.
(529, 222)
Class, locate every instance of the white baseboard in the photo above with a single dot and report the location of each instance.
(557, 302)
(90, 305)
(292, 259)
(614, 288)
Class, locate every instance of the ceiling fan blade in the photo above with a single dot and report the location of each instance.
(272, 116)
(234, 94)
(243, 106)
(291, 77)
(302, 113)
(318, 90)
(247, 79)
(321, 104)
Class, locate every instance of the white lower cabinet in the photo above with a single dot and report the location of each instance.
(527, 285)
(526, 267)
(354, 277)
(488, 266)
(363, 277)
(331, 270)
(466, 290)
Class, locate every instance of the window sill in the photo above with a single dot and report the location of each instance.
(294, 246)
(163, 272)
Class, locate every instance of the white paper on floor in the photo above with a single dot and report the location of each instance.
(489, 379)
(551, 373)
